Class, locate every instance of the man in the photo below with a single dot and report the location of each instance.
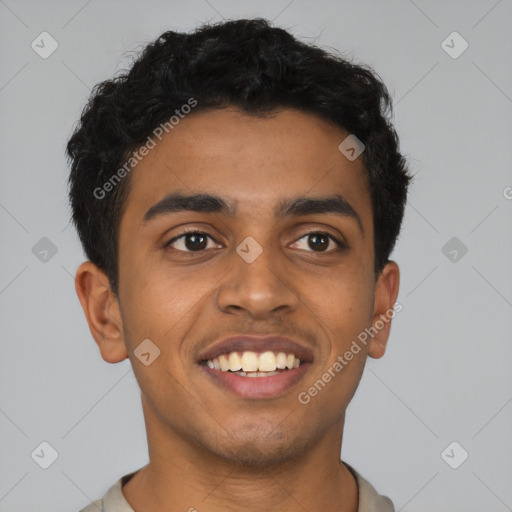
(238, 194)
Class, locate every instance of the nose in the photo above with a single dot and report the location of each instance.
(258, 288)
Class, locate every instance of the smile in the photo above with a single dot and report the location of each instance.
(273, 372)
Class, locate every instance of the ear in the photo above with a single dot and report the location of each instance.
(102, 312)
(386, 292)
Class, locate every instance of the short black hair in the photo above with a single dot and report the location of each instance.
(247, 64)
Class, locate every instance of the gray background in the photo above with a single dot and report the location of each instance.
(446, 375)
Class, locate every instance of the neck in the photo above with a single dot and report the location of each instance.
(182, 476)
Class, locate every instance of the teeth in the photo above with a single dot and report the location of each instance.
(224, 363)
(265, 363)
(250, 361)
(260, 374)
(281, 360)
(235, 363)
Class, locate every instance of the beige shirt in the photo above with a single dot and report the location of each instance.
(369, 499)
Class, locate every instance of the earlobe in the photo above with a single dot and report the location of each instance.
(386, 293)
(101, 309)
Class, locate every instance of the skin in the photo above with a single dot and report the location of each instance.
(210, 449)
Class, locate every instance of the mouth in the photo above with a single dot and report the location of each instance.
(251, 374)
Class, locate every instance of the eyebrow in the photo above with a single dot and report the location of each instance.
(208, 203)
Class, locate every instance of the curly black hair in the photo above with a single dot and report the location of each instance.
(247, 64)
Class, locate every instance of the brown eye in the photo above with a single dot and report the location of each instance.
(319, 241)
(193, 241)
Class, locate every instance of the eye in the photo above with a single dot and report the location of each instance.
(321, 240)
(193, 241)
(196, 241)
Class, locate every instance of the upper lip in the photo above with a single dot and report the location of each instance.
(245, 342)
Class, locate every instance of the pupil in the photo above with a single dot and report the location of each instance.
(195, 244)
(199, 240)
(321, 245)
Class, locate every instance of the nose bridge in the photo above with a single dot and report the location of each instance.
(255, 283)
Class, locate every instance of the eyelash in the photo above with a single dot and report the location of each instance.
(338, 242)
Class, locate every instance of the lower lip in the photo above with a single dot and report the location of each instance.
(257, 387)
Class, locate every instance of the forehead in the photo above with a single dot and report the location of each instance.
(253, 162)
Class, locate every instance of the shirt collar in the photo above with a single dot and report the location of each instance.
(369, 499)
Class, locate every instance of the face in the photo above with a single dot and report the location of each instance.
(246, 264)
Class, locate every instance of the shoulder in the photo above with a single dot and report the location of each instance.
(369, 499)
(113, 500)
(95, 506)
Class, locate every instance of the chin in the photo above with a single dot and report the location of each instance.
(250, 457)
(257, 452)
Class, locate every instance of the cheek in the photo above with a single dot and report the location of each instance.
(166, 307)
(344, 304)
(344, 312)
(163, 311)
